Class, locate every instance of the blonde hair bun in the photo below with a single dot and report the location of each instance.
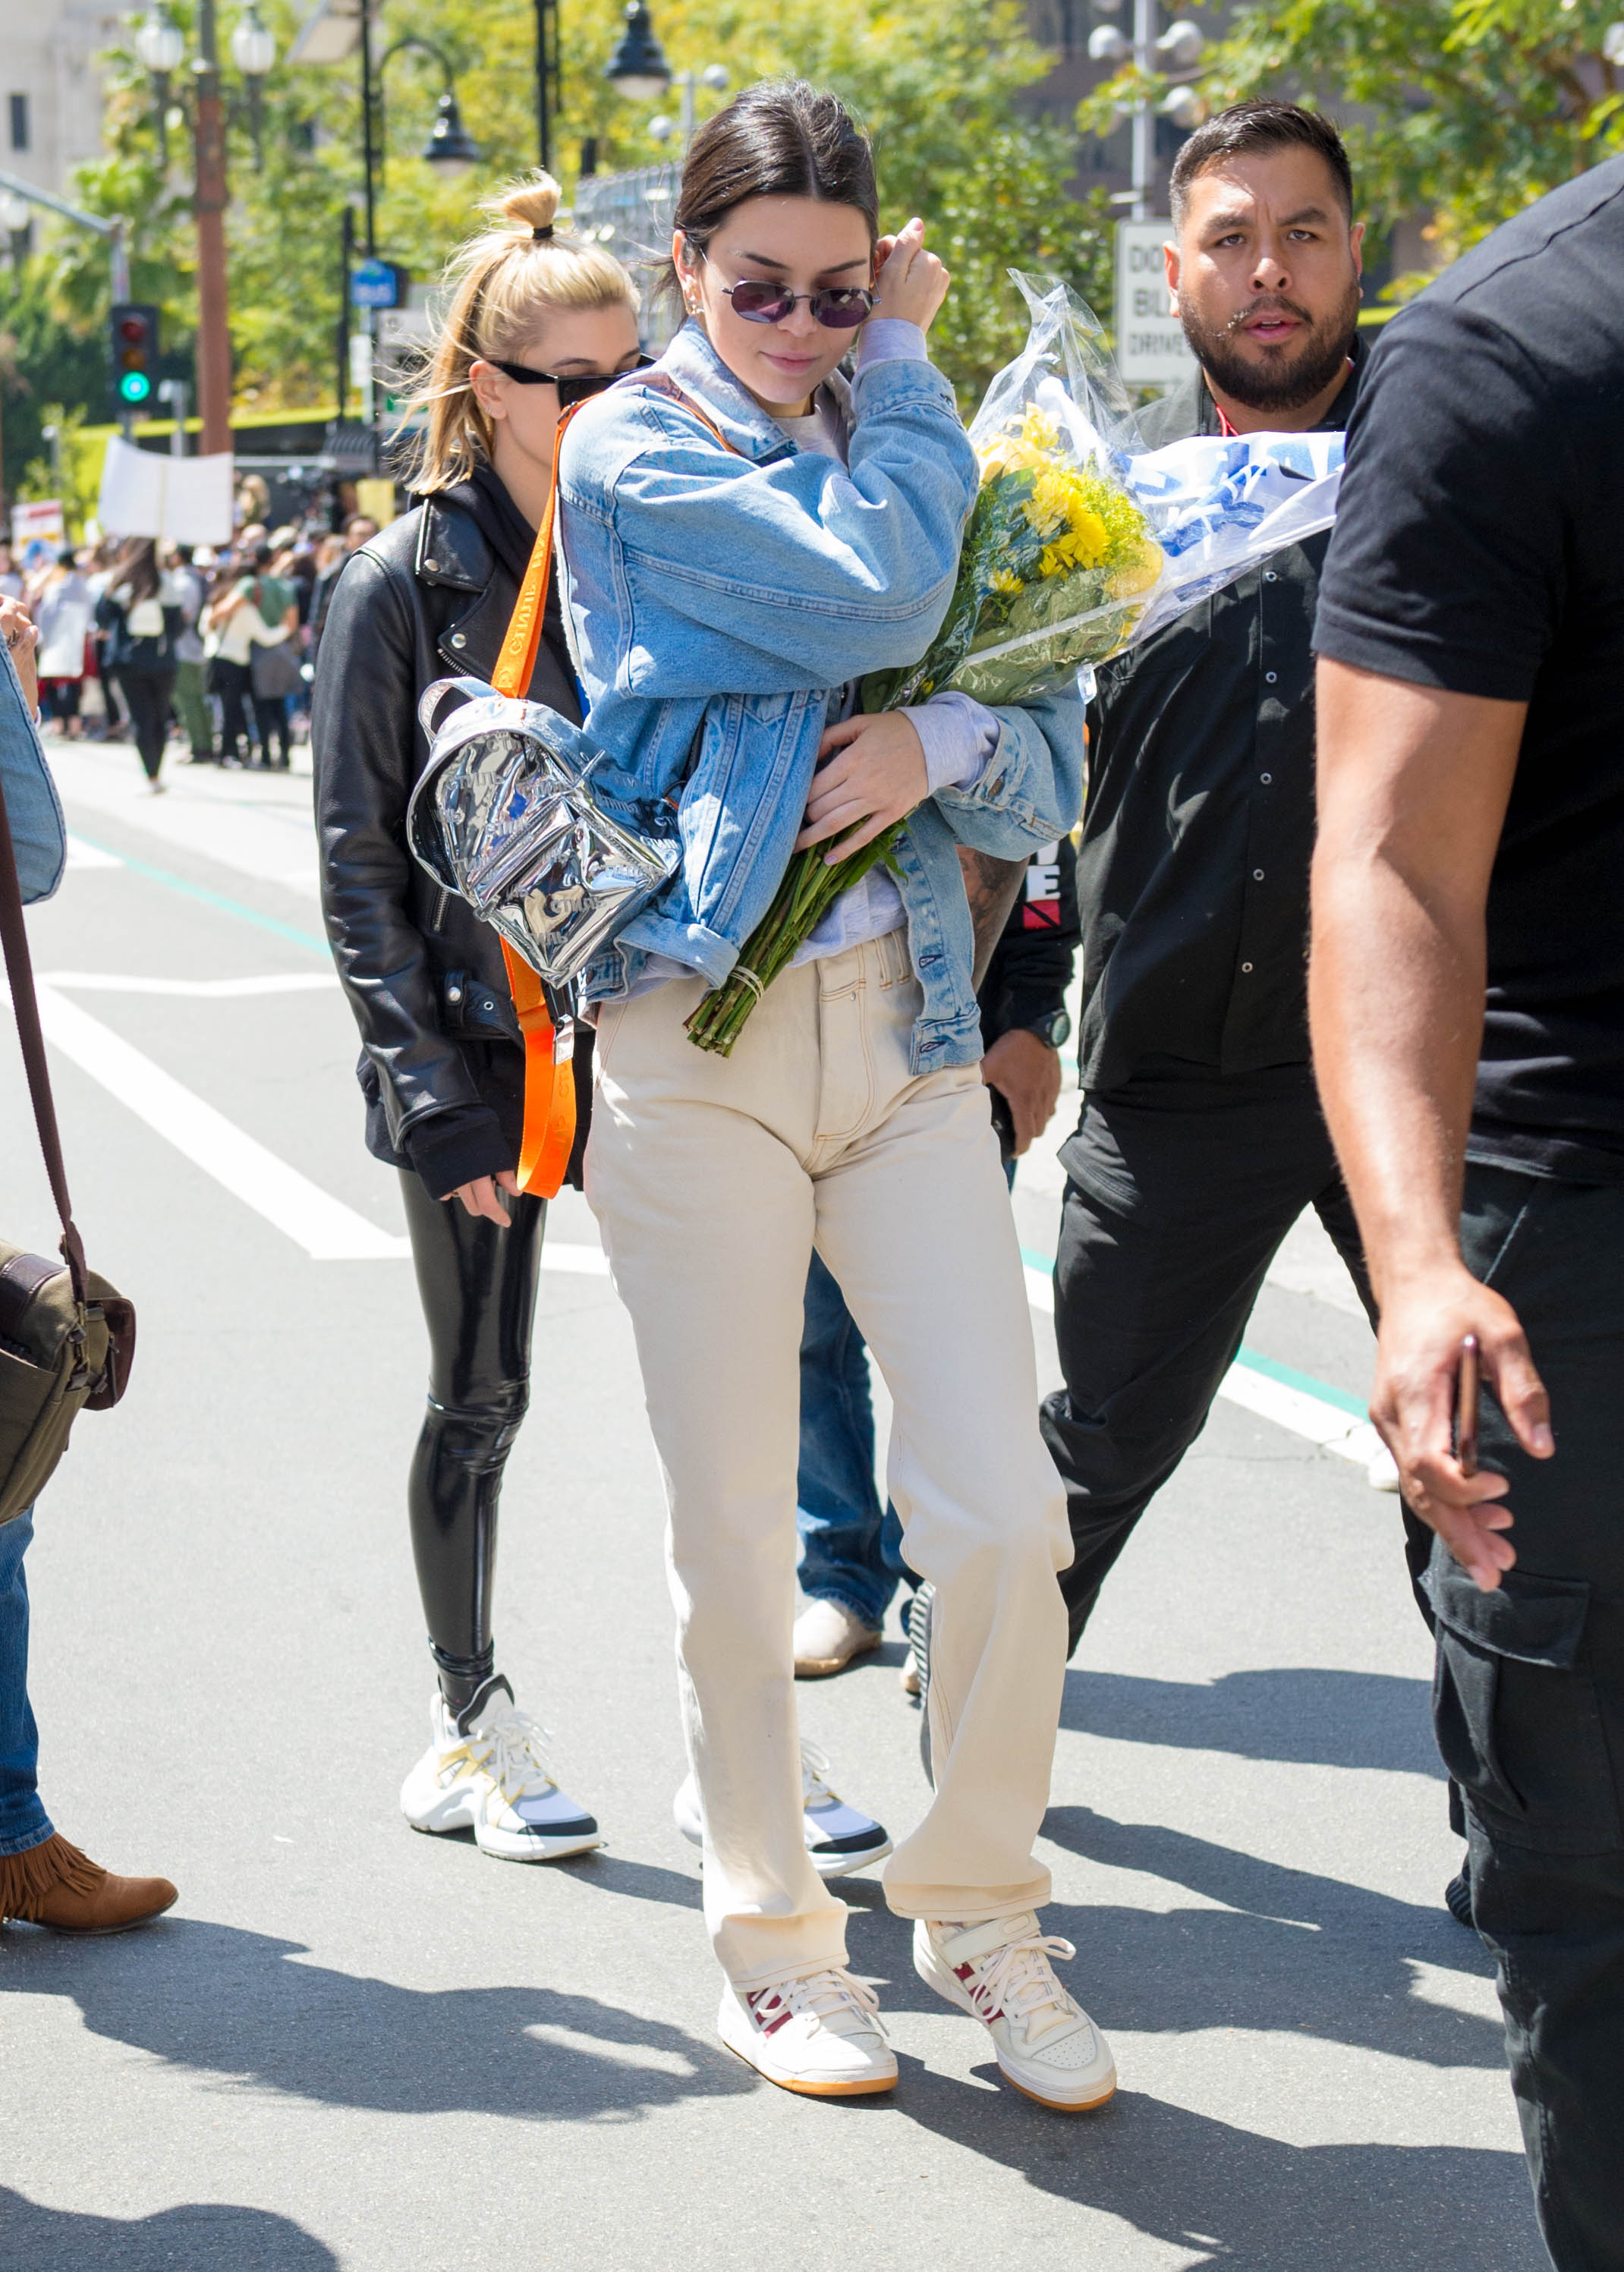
(507, 282)
(528, 204)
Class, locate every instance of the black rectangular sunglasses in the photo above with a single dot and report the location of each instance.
(576, 388)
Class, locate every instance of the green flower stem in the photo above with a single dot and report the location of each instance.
(810, 888)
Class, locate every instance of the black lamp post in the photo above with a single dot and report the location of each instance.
(638, 68)
(547, 101)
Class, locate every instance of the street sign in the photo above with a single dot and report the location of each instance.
(377, 284)
(1151, 347)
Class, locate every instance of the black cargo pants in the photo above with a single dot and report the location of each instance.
(1529, 1702)
(1180, 1192)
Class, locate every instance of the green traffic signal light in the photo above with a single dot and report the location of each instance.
(134, 387)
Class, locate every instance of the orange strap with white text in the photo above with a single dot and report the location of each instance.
(548, 1079)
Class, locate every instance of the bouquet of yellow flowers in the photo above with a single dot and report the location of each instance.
(1056, 564)
(1060, 558)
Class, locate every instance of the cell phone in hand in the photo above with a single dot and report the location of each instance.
(1468, 1387)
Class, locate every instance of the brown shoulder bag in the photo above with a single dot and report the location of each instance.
(67, 1337)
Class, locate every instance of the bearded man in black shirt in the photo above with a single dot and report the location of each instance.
(1468, 1001)
(1201, 1139)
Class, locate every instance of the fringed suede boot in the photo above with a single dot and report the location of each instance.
(53, 1884)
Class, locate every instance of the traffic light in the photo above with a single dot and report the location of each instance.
(134, 352)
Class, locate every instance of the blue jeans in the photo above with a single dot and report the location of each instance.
(850, 1552)
(23, 1820)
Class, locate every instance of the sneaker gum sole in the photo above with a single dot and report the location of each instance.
(803, 2089)
(1060, 2105)
(938, 1976)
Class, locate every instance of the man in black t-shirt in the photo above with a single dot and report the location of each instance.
(1467, 1003)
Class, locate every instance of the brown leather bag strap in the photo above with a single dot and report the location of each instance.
(19, 971)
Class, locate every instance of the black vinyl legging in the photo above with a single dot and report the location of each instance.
(477, 1284)
(146, 697)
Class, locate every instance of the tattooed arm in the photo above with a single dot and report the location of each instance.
(990, 886)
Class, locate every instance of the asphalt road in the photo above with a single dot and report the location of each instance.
(352, 2047)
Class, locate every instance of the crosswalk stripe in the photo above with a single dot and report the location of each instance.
(328, 1229)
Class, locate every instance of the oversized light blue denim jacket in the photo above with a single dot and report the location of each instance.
(718, 601)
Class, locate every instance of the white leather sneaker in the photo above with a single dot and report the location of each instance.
(1001, 1974)
(828, 1637)
(487, 1771)
(818, 2035)
(840, 1838)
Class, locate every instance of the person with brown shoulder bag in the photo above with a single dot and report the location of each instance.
(66, 1340)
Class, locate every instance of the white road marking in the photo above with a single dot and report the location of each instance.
(328, 1229)
(208, 990)
(81, 855)
(260, 823)
(1321, 1422)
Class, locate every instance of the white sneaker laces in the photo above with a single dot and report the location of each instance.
(513, 1753)
(826, 1997)
(1017, 1981)
(815, 1784)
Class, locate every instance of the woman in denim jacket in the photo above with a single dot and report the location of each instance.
(743, 537)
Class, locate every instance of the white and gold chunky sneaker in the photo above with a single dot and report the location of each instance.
(486, 1771)
(840, 1838)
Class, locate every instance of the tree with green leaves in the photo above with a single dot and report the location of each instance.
(943, 88)
(1464, 110)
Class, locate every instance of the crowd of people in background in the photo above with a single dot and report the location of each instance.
(160, 644)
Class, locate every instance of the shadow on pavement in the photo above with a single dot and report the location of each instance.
(1289, 1951)
(213, 1999)
(1313, 1716)
(1231, 2197)
(202, 2237)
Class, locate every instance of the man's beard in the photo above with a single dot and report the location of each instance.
(1286, 377)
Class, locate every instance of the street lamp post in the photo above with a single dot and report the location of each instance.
(161, 47)
(1177, 49)
(547, 101)
(638, 69)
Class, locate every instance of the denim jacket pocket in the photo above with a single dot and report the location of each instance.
(1518, 1710)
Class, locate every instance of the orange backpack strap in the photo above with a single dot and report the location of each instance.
(548, 1075)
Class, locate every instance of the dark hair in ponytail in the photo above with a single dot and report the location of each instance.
(781, 138)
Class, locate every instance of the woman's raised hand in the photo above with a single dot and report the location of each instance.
(871, 771)
(910, 282)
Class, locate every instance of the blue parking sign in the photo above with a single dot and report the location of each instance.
(375, 284)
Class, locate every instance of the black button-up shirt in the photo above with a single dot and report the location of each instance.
(1193, 876)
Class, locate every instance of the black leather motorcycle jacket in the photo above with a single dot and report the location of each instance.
(442, 1065)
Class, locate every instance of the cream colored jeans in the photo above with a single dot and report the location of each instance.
(713, 1178)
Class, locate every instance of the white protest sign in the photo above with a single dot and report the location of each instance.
(1151, 347)
(43, 520)
(186, 499)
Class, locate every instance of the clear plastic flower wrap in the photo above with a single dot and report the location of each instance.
(1080, 542)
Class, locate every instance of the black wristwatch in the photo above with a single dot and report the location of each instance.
(1055, 1030)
